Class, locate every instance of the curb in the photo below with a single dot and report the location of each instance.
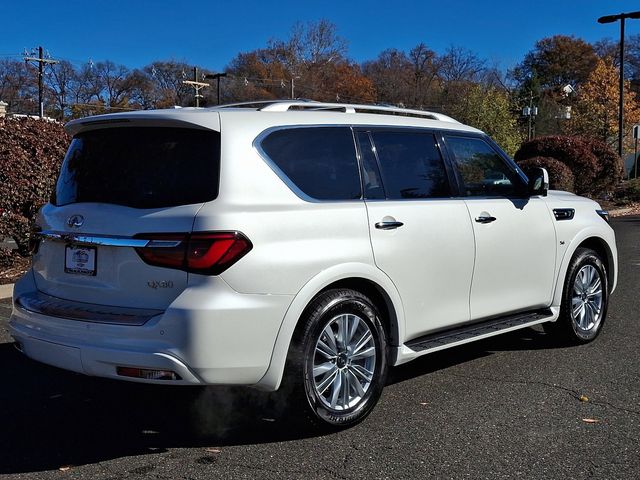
(6, 291)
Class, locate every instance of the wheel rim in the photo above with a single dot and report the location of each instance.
(586, 300)
(344, 362)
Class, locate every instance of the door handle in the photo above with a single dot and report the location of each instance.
(485, 219)
(388, 225)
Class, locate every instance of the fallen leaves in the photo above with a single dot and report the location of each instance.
(212, 450)
(590, 420)
(583, 398)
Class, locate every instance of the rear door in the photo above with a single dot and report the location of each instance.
(514, 234)
(421, 236)
(116, 185)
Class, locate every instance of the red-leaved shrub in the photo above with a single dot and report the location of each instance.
(30, 155)
(560, 176)
(595, 167)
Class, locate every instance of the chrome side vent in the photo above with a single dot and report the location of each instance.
(564, 213)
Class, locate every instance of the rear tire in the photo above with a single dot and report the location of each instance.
(585, 298)
(337, 364)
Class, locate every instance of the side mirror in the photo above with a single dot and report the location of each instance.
(538, 181)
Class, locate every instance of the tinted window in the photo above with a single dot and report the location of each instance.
(483, 171)
(411, 165)
(140, 167)
(320, 161)
(370, 173)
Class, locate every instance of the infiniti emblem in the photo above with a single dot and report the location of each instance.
(75, 221)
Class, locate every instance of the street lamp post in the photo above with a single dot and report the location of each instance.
(611, 19)
(216, 76)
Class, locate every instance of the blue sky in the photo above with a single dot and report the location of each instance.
(210, 33)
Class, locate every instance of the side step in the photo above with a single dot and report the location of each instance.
(467, 333)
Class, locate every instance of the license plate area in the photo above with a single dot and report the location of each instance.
(80, 260)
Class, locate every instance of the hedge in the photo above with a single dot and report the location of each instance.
(31, 151)
(596, 169)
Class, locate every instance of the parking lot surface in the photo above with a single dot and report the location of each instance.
(517, 405)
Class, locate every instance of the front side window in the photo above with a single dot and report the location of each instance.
(411, 165)
(320, 161)
(483, 172)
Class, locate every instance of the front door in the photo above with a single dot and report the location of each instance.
(514, 234)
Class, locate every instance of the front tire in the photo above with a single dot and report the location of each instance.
(338, 360)
(585, 299)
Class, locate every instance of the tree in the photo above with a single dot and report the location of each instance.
(313, 58)
(61, 82)
(557, 61)
(595, 113)
(426, 65)
(391, 76)
(489, 109)
(460, 65)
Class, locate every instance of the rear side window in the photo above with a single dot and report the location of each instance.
(141, 167)
(411, 165)
(320, 161)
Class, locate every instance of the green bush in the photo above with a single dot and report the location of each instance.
(595, 167)
(30, 155)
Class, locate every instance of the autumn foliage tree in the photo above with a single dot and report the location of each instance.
(595, 113)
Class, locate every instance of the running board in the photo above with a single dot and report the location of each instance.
(477, 331)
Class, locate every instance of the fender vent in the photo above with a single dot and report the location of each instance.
(564, 213)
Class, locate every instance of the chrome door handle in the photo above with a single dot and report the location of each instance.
(485, 219)
(388, 225)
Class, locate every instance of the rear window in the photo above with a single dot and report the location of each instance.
(320, 161)
(141, 167)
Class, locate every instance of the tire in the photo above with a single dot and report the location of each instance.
(585, 298)
(349, 376)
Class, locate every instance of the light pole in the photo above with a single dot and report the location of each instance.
(216, 76)
(611, 19)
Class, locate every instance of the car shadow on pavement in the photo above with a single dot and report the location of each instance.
(51, 418)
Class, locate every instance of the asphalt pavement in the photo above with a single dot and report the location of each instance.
(517, 405)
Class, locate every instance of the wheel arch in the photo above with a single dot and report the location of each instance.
(595, 240)
(366, 279)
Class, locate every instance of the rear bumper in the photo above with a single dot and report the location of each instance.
(209, 335)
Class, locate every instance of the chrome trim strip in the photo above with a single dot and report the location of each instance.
(104, 240)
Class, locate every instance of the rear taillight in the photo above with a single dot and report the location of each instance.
(208, 253)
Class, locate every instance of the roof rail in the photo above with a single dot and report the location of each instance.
(286, 105)
(258, 103)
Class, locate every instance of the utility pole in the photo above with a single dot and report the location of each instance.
(293, 86)
(197, 86)
(41, 63)
(217, 76)
(530, 112)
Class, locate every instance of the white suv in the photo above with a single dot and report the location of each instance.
(299, 243)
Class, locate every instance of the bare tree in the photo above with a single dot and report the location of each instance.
(459, 64)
